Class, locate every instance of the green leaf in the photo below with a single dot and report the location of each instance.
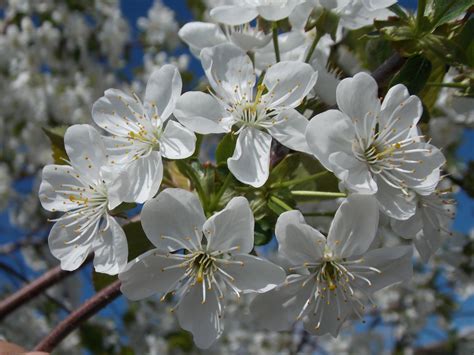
(225, 148)
(414, 74)
(101, 281)
(56, 136)
(444, 11)
(138, 243)
(263, 233)
(180, 340)
(429, 94)
(285, 169)
(123, 207)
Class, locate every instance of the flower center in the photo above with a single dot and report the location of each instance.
(335, 281)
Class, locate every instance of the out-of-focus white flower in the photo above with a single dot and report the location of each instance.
(85, 191)
(200, 35)
(160, 26)
(235, 102)
(142, 132)
(333, 276)
(5, 187)
(429, 225)
(375, 148)
(243, 11)
(215, 262)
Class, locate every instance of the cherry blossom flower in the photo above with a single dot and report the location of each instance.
(85, 191)
(243, 11)
(376, 148)
(142, 132)
(200, 35)
(258, 115)
(215, 260)
(331, 277)
(429, 226)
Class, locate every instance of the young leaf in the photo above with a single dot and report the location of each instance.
(56, 136)
(225, 148)
(414, 74)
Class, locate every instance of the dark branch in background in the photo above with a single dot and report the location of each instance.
(35, 288)
(384, 72)
(74, 320)
(11, 271)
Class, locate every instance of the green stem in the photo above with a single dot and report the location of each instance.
(313, 46)
(448, 85)
(275, 41)
(197, 184)
(299, 181)
(319, 214)
(217, 198)
(319, 194)
(420, 14)
(281, 203)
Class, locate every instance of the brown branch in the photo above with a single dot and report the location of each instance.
(388, 68)
(34, 288)
(74, 320)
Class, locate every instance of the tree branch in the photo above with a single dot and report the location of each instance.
(74, 320)
(388, 68)
(36, 287)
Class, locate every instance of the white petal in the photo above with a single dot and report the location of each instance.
(329, 132)
(110, 249)
(71, 255)
(289, 129)
(202, 113)
(234, 15)
(347, 235)
(86, 150)
(250, 41)
(289, 298)
(163, 90)
(329, 321)
(410, 227)
(255, 274)
(139, 180)
(203, 320)
(177, 142)
(297, 241)
(173, 213)
(113, 110)
(373, 5)
(144, 276)
(277, 12)
(231, 227)
(288, 83)
(358, 96)
(393, 202)
(251, 159)
(201, 35)
(406, 115)
(394, 263)
(354, 174)
(229, 71)
(54, 178)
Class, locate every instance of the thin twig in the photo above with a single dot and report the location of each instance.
(34, 288)
(83, 313)
(11, 271)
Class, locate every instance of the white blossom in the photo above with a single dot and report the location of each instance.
(215, 261)
(257, 114)
(85, 191)
(200, 35)
(375, 148)
(331, 278)
(143, 132)
(242, 11)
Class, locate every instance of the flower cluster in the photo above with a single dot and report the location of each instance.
(258, 96)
